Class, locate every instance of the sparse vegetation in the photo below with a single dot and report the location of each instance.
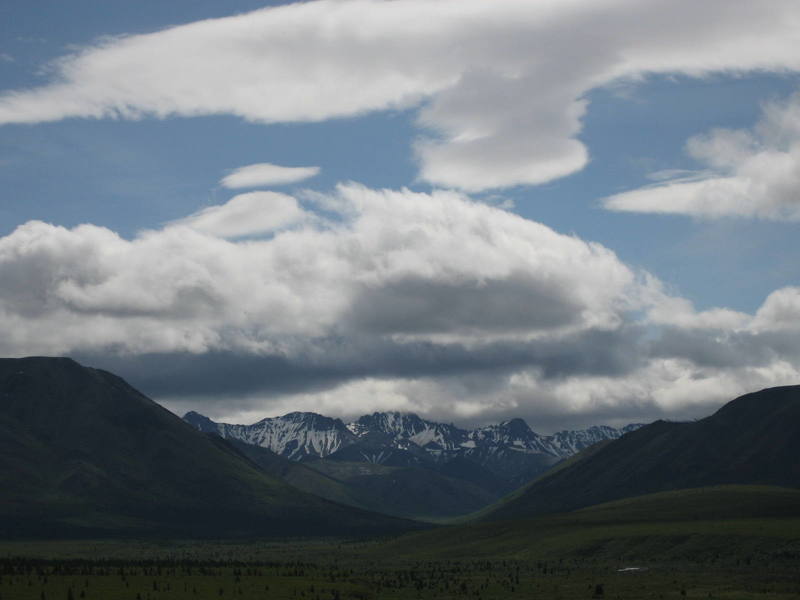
(608, 551)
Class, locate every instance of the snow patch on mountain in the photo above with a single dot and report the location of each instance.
(295, 436)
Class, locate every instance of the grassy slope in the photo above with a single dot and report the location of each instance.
(300, 475)
(400, 491)
(84, 453)
(753, 440)
(406, 491)
(720, 519)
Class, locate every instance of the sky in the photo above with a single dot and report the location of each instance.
(576, 212)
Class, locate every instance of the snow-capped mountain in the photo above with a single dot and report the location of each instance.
(514, 434)
(394, 437)
(407, 430)
(567, 443)
(296, 436)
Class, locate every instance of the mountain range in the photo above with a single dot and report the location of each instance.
(402, 464)
(304, 435)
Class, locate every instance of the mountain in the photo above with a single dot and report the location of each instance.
(417, 492)
(402, 491)
(83, 453)
(406, 431)
(754, 439)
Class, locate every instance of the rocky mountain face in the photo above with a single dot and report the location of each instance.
(296, 436)
(510, 451)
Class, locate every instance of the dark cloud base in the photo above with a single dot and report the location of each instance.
(332, 361)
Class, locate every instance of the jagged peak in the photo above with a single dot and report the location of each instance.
(194, 414)
(200, 422)
(515, 423)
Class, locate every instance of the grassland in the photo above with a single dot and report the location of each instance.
(730, 542)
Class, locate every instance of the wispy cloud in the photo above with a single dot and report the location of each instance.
(749, 173)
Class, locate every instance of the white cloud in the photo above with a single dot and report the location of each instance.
(501, 83)
(266, 174)
(247, 214)
(780, 311)
(400, 264)
(750, 173)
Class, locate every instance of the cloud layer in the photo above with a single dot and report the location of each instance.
(500, 84)
(427, 302)
(398, 264)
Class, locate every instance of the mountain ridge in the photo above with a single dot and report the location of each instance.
(291, 435)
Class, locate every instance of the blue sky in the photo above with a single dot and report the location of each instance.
(627, 117)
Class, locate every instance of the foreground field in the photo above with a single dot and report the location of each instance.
(567, 579)
(707, 543)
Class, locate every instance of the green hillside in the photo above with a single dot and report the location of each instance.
(682, 524)
(83, 453)
(753, 440)
(411, 492)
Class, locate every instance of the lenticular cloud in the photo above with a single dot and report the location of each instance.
(500, 84)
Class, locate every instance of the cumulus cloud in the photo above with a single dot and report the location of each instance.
(426, 302)
(247, 214)
(667, 309)
(266, 174)
(748, 173)
(780, 311)
(399, 264)
(500, 84)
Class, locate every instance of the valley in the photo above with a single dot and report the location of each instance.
(107, 495)
(671, 545)
(401, 464)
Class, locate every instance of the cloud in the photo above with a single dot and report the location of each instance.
(658, 388)
(398, 264)
(427, 302)
(266, 174)
(500, 85)
(754, 174)
(247, 214)
(780, 311)
(666, 309)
